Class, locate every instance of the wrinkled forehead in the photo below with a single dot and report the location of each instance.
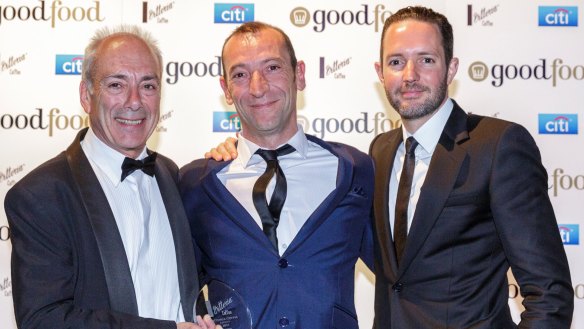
(127, 50)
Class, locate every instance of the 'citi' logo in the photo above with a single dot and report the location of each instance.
(570, 233)
(226, 122)
(68, 64)
(234, 13)
(558, 16)
(563, 124)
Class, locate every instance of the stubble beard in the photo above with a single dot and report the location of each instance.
(429, 106)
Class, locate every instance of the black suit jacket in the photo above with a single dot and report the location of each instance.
(483, 208)
(69, 267)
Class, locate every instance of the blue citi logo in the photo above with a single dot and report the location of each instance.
(68, 64)
(560, 124)
(558, 16)
(570, 233)
(234, 13)
(226, 122)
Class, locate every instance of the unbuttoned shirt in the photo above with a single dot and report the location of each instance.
(311, 173)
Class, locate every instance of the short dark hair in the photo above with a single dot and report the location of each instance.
(255, 27)
(427, 15)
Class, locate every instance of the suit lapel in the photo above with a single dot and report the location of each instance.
(323, 211)
(384, 157)
(120, 287)
(230, 207)
(185, 259)
(442, 173)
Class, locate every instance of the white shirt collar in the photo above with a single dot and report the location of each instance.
(246, 149)
(429, 133)
(104, 157)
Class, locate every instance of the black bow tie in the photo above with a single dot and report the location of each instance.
(146, 165)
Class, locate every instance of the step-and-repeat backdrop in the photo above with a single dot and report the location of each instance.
(519, 60)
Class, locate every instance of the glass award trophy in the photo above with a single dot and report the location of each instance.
(224, 305)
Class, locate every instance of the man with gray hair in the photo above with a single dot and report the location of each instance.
(100, 237)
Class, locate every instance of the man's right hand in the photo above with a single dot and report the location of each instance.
(202, 323)
(225, 151)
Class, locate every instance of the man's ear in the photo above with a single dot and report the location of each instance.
(452, 69)
(85, 96)
(379, 70)
(226, 92)
(300, 78)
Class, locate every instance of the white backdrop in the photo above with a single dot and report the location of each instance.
(519, 60)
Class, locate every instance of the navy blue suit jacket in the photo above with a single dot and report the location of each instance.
(312, 284)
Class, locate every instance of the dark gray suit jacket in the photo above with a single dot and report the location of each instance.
(483, 208)
(69, 267)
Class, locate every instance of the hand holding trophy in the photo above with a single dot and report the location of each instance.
(224, 305)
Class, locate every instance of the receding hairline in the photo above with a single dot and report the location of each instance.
(105, 35)
(255, 28)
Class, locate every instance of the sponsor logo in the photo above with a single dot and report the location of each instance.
(9, 174)
(514, 291)
(68, 64)
(557, 16)
(322, 18)
(6, 286)
(174, 70)
(565, 182)
(558, 124)
(156, 13)
(10, 63)
(482, 16)
(221, 306)
(38, 121)
(365, 124)
(570, 233)
(56, 12)
(300, 16)
(320, 127)
(334, 69)
(478, 71)
(501, 73)
(224, 122)
(4, 233)
(163, 117)
(234, 13)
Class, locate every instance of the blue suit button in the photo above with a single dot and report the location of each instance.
(284, 322)
(283, 263)
(398, 287)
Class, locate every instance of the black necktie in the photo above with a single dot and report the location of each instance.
(270, 214)
(400, 227)
(146, 165)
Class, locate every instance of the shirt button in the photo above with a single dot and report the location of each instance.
(284, 322)
(284, 246)
(283, 263)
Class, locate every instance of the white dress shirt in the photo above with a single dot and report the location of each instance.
(427, 137)
(143, 224)
(311, 174)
